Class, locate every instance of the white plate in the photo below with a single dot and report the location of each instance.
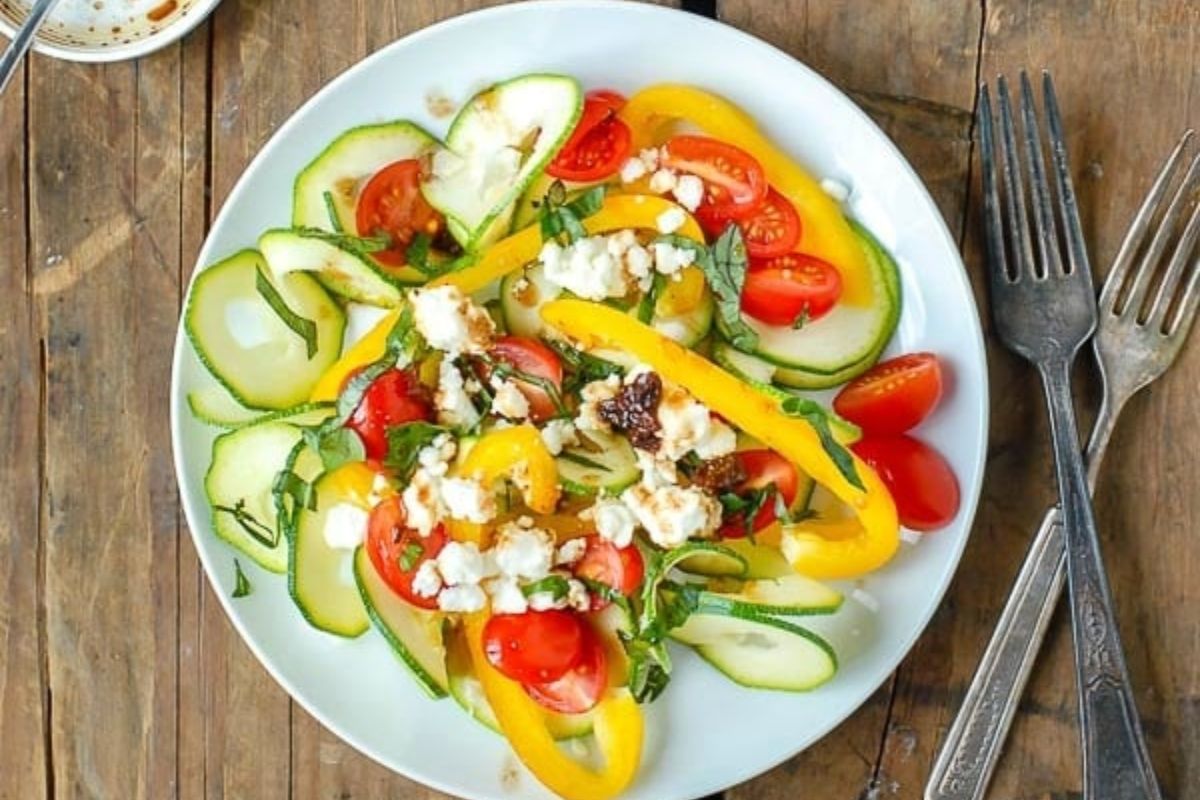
(107, 30)
(705, 733)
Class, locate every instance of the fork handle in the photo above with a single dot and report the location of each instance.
(1116, 761)
(972, 747)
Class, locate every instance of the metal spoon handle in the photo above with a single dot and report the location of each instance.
(21, 42)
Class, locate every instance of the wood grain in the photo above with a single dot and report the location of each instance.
(23, 719)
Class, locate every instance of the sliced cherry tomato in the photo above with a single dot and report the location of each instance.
(770, 229)
(533, 358)
(791, 287)
(734, 181)
(920, 480)
(583, 684)
(597, 147)
(762, 468)
(622, 568)
(395, 397)
(391, 204)
(893, 396)
(614, 100)
(397, 551)
(535, 646)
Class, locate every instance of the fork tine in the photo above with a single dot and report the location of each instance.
(1186, 315)
(1141, 225)
(1162, 237)
(1043, 217)
(1170, 282)
(1022, 245)
(1067, 206)
(993, 223)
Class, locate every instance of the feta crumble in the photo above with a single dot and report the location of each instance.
(669, 259)
(558, 434)
(523, 551)
(613, 520)
(506, 594)
(454, 406)
(577, 595)
(465, 599)
(671, 220)
(570, 551)
(428, 581)
(588, 418)
(509, 401)
(673, 514)
(689, 191)
(450, 321)
(345, 526)
(461, 563)
(468, 499)
(633, 169)
(662, 181)
(585, 268)
(688, 425)
(422, 502)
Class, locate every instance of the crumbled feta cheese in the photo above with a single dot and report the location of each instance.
(909, 537)
(669, 259)
(451, 321)
(835, 189)
(588, 416)
(523, 551)
(585, 268)
(662, 181)
(620, 242)
(577, 595)
(428, 581)
(345, 526)
(570, 551)
(557, 434)
(671, 220)
(507, 597)
(657, 469)
(545, 601)
(464, 599)
(689, 191)
(468, 499)
(435, 458)
(640, 266)
(650, 157)
(613, 520)
(509, 401)
(686, 424)
(633, 169)
(422, 503)
(453, 403)
(381, 487)
(461, 563)
(673, 514)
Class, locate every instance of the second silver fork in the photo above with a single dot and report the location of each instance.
(1130, 355)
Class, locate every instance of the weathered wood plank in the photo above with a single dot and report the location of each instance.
(1143, 70)
(105, 225)
(921, 95)
(22, 674)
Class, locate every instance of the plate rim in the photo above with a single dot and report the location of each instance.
(971, 494)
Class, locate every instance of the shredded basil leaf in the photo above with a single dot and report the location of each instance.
(645, 309)
(246, 521)
(336, 446)
(584, 367)
(241, 584)
(361, 246)
(726, 273)
(411, 554)
(404, 446)
(558, 217)
(801, 319)
(815, 415)
(583, 461)
(288, 485)
(331, 209)
(555, 585)
(502, 370)
(305, 328)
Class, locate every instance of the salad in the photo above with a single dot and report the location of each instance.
(593, 410)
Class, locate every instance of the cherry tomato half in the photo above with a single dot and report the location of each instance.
(734, 181)
(535, 646)
(893, 396)
(391, 204)
(395, 397)
(622, 568)
(762, 468)
(920, 480)
(784, 289)
(393, 547)
(532, 357)
(599, 144)
(583, 684)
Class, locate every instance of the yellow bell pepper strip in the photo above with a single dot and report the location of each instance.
(366, 350)
(617, 725)
(825, 232)
(517, 453)
(617, 213)
(870, 540)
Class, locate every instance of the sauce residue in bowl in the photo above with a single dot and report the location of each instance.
(162, 10)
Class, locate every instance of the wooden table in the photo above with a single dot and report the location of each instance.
(120, 676)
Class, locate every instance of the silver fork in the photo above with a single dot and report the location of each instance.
(1131, 354)
(1044, 310)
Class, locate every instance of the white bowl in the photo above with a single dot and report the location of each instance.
(107, 30)
(705, 733)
